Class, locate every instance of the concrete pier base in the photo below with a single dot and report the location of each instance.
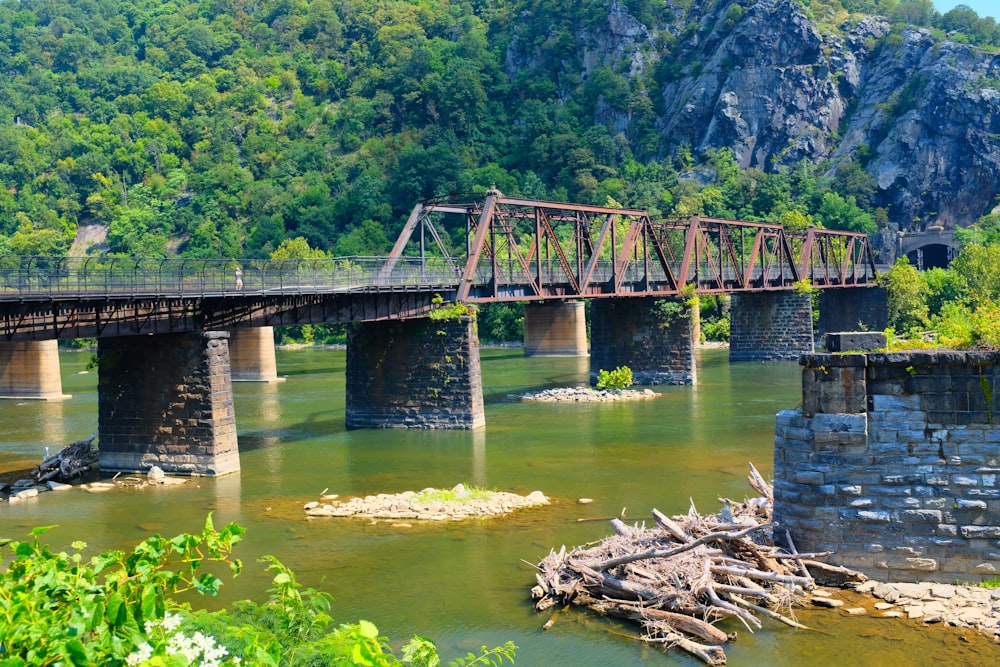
(555, 329)
(416, 373)
(651, 336)
(251, 355)
(167, 401)
(29, 370)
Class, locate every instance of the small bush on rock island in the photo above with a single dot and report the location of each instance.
(118, 609)
(618, 379)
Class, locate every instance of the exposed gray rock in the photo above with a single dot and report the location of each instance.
(920, 114)
(958, 606)
(587, 395)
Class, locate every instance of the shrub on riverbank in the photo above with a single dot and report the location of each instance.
(618, 379)
(121, 608)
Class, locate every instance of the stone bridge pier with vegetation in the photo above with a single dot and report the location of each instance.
(653, 337)
(414, 373)
(892, 464)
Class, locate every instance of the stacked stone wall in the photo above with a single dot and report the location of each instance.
(416, 373)
(167, 401)
(852, 308)
(892, 464)
(650, 336)
(770, 326)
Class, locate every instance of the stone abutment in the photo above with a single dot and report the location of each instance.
(892, 464)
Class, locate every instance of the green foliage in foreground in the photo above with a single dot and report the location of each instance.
(121, 608)
(618, 379)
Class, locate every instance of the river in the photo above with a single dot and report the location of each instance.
(467, 584)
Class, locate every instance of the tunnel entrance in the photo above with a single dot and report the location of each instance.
(933, 255)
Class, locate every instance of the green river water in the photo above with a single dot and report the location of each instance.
(467, 584)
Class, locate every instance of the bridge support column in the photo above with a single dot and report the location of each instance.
(251, 355)
(651, 336)
(30, 370)
(167, 400)
(555, 329)
(853, 309)
(415, 373)
(770, 326)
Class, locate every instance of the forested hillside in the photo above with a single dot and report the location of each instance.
(224, 127)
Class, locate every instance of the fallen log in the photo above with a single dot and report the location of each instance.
(682, 623)
(710, 655)
(832, 575)
(686, 573)
(667, 553)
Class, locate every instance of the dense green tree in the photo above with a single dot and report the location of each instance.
(907, 298)
(228, 126)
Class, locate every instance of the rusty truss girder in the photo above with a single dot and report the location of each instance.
(503, 249)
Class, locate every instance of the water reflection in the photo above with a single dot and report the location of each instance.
(479, 457)
(53, 426)
(268, 404)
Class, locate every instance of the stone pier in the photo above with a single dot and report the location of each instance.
(167, 401)
(892, 464)
(415, 373)
(30, 370)
(555, 329)
(770, 326)
(251, 355)
(651, 336)
(853, 309)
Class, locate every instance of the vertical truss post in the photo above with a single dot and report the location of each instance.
(538, 251)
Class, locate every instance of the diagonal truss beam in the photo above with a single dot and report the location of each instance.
(523, 249)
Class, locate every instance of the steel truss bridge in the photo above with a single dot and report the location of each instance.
(485, 249)
(520, 249)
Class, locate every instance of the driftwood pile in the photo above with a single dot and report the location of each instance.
(680, 577)
(69, 463)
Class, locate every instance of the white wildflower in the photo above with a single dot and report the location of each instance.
(142, 653)
(171, 622)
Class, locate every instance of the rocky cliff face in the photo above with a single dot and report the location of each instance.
(921, 115)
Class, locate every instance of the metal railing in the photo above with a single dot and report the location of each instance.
(23, 277)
